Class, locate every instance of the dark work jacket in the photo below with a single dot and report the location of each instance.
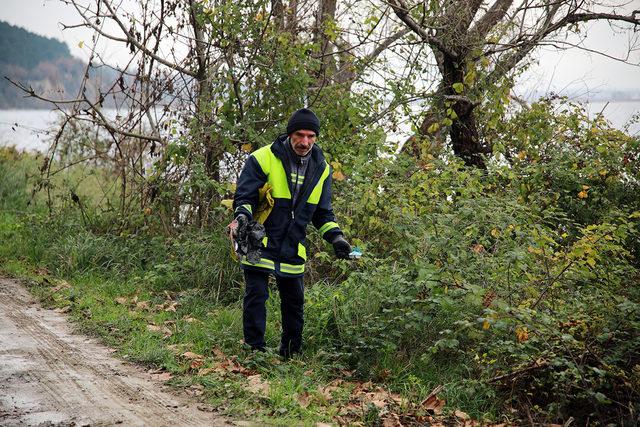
(284, 251)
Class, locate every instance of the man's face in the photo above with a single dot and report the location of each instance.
(302, 141)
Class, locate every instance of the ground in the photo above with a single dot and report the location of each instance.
(51, 376)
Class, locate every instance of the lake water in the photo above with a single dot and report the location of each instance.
(33, 130)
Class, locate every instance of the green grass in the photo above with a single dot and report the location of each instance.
(200, 325)
(154, 299)
(383, 325)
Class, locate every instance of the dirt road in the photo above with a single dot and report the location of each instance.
(52, 377)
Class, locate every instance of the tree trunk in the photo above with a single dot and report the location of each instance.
(465, 138)
(326, 13)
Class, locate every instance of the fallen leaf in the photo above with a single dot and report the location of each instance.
(398, 400)
(122, 300)
(171, 307)
(191, 356)
(304, 399)
(391, 420)
(195, 390)
(257, 385)
(162, 329)
(230, 365)
(462, 415)
(206, 371)
(379, 397)
(165, 376)
(197, 363)
(325, 392)
(433, 404)
(143, 305)
(63, 310)
(219, 353)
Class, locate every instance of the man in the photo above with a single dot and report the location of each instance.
(300, 180)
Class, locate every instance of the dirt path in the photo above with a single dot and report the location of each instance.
(52, 377)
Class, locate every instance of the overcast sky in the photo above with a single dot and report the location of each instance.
(561, 71)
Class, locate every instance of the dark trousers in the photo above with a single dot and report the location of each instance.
(254, 312)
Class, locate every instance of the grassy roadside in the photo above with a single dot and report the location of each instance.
(506, 308)
(190, 334)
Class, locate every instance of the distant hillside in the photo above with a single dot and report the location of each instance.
(40, 62)
(21, 48)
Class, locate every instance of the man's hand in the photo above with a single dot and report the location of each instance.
(232, 228)
(341, 247)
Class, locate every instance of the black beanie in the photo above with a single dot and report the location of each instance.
(303, 119)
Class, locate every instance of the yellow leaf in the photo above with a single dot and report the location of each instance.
(522, 155)
(434, 128)
(227, 203)
(486, 325)
(247, 147)
(80, 44)
(495, 233)
(591, 262)
(522, 333)
(338, 175)
(585, 187)
(583, 194)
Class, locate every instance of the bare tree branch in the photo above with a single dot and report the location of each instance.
(402, 11)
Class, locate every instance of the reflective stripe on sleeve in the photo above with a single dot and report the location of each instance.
(328, 226)
(247, 207)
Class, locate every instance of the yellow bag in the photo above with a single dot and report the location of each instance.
(265, 204)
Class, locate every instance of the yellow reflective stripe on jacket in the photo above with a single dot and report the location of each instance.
(291, 268)
(274, 170)
(247, 207)
(264, 263)
(314, 198)
(297, 179)
(328, 226)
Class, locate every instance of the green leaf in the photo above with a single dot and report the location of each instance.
(458, 87)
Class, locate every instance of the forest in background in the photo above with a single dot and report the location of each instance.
(43, 64)
(502, 263)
